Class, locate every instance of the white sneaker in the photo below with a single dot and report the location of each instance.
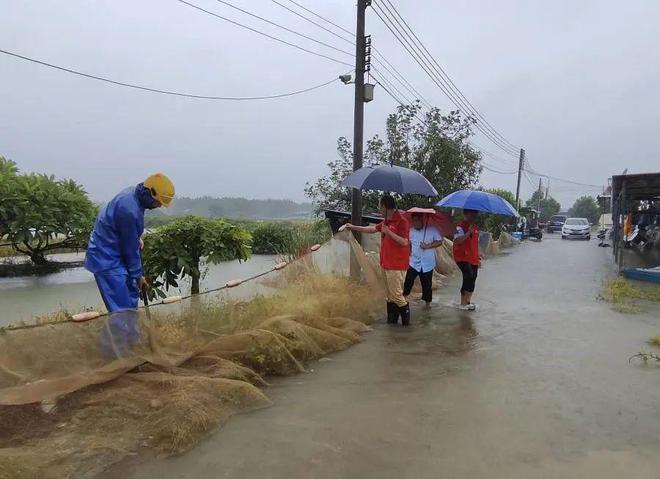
(471, 306)
(464, 307)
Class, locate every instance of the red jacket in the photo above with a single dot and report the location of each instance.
(392, 254)
(468, 250)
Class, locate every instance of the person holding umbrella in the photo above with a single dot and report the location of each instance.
(424, 238)
(394, 256)
(466, 255)
(394, 229)
(466, 238)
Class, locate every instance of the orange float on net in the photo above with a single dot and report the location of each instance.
(171, 299)
(86, 316)
(316, 247)
(281, 265)
(232, 283)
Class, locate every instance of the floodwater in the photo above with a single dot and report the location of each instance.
(74, 289)
(535, 384)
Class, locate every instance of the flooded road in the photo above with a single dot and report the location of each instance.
(535, 384)
(75, 290)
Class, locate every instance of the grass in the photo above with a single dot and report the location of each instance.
(626, 296)
(645, 357)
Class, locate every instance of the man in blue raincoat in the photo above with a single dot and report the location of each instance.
(113, 255)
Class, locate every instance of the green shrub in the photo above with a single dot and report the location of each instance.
(175, 250)
(290, 239)
(271, 238)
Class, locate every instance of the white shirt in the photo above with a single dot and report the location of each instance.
(423, 260)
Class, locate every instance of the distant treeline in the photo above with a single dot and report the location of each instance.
(237, 208)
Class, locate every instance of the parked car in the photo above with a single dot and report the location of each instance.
(576, 228)
(555, 223)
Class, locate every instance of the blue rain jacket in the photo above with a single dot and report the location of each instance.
(114, 245)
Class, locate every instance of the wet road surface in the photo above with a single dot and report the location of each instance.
(535, 384)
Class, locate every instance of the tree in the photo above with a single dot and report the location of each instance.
(39, 213)
(585, 207)
(176, 249)
(436, 147)
(547, 207)
(8, 172)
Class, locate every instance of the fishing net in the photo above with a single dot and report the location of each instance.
(506, 240)
(77, 396)
(444, 259)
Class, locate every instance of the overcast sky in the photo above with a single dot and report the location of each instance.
(574, 82)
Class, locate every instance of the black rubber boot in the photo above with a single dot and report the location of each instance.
(404, 311)
(392, 313)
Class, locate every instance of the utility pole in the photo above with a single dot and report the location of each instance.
(521, 165)
(540, 195)
(358, 113)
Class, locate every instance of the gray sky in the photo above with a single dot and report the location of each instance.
(573, 82)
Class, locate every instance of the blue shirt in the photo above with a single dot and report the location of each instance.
(114, 246)
(423, 260)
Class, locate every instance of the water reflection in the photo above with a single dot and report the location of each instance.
(438, 329)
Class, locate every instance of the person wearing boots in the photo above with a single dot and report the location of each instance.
(394, 257)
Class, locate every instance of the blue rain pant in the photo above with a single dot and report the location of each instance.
(120, 294)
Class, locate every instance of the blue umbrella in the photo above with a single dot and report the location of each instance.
(391, 178)
(478, 200)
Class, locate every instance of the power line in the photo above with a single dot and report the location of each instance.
(402, 95)
(319, 16)
(307, 37)
(389, 87)
(420, 59)
(298, 14)
(529, 180)
(529, 170)
(378, 57)
(503, 161)
(495, 170)
(384, 85)
(302, 35)
(165, 92)
(448, 79)
(401, 79)
(423, 61)
(238, 24)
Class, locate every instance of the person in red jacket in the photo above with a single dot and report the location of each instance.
(394, 257)
(466, 255)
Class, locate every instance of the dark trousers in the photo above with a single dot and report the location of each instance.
(469, 276)
(425, 278)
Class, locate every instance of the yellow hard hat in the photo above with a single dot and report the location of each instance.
(161, 188)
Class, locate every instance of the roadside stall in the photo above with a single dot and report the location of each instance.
(636, 225)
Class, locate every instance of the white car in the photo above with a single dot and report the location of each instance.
(578, 228)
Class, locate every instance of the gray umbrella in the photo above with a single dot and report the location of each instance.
(395, 179)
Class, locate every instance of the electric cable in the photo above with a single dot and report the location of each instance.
(419, 58)
(164, 92)
(238, 24)
(448, 78)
